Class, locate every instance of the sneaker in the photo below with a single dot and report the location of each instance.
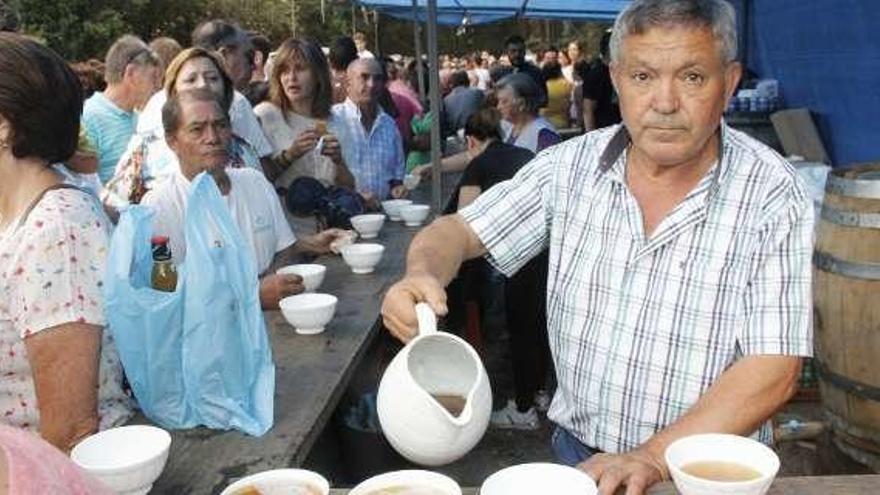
(542, 400)
(511, 419)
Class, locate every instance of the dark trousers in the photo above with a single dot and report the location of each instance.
(526, 301)
(568, 449)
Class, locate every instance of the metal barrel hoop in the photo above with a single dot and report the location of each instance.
(831, 264)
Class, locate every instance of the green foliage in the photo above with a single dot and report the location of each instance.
(82, 29)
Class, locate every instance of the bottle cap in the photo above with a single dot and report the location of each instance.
(160, 250)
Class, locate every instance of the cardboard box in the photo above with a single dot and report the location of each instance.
(798, 134)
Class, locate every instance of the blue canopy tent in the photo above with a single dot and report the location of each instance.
(458, 12)
(825, 53)
(826, 56)
(468, 12)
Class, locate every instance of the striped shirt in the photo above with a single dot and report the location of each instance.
(641, 327)
(374, 158)
(108, 128)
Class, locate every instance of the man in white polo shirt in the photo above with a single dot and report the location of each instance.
(199, 132)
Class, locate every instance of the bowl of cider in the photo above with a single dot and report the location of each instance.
(408, 482)
(721, 464)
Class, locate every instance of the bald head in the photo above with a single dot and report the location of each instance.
(360, 64)
(365, 81)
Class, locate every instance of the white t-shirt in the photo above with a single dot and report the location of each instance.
(254, 205)
(282, 130)
(483, 78)
(568, 73)
(241, 116)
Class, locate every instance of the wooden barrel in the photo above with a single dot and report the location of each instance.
(846, 290)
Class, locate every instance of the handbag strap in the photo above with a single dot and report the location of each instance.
(36, 201)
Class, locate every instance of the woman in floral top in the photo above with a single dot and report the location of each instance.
(59, 373)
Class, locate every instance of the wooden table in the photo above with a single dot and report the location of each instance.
(813, 485)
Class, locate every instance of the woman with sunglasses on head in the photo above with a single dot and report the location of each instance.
(148, 157)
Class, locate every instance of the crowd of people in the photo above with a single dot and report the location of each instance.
(274, 125)
(664, 245)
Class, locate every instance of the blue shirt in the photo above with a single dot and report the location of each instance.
(374, 158)
(109, 129)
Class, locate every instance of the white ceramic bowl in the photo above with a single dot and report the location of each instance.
(363, 258)
(312, 274)
(281, 482)
(308, 313)
(127, 459)
(414, 215)
(539, 477)
(440, 484)
(368, 226)
(726, 448)
(392, 208)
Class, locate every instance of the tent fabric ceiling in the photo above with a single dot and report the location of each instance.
(458, 12)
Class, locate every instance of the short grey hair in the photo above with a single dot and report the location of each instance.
(127, 50)
(525, 90)
(642, 15)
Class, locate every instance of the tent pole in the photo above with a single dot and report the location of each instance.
(417, 31)
(376, 46)
(436, 177)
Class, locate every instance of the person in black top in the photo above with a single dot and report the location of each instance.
(495, 161)
(515, 47)
(600, 108)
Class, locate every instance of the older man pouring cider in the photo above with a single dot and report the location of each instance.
(678, 294)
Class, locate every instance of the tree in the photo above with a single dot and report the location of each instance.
(82, 29)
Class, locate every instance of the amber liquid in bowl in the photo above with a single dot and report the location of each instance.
(721, 471)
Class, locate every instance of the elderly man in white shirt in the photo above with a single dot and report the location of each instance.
(198, 131)
(371, 143)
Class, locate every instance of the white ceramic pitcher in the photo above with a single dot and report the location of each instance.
(434, 363)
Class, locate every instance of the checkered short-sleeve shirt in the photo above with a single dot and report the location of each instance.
(375, 158)
(641, 327)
